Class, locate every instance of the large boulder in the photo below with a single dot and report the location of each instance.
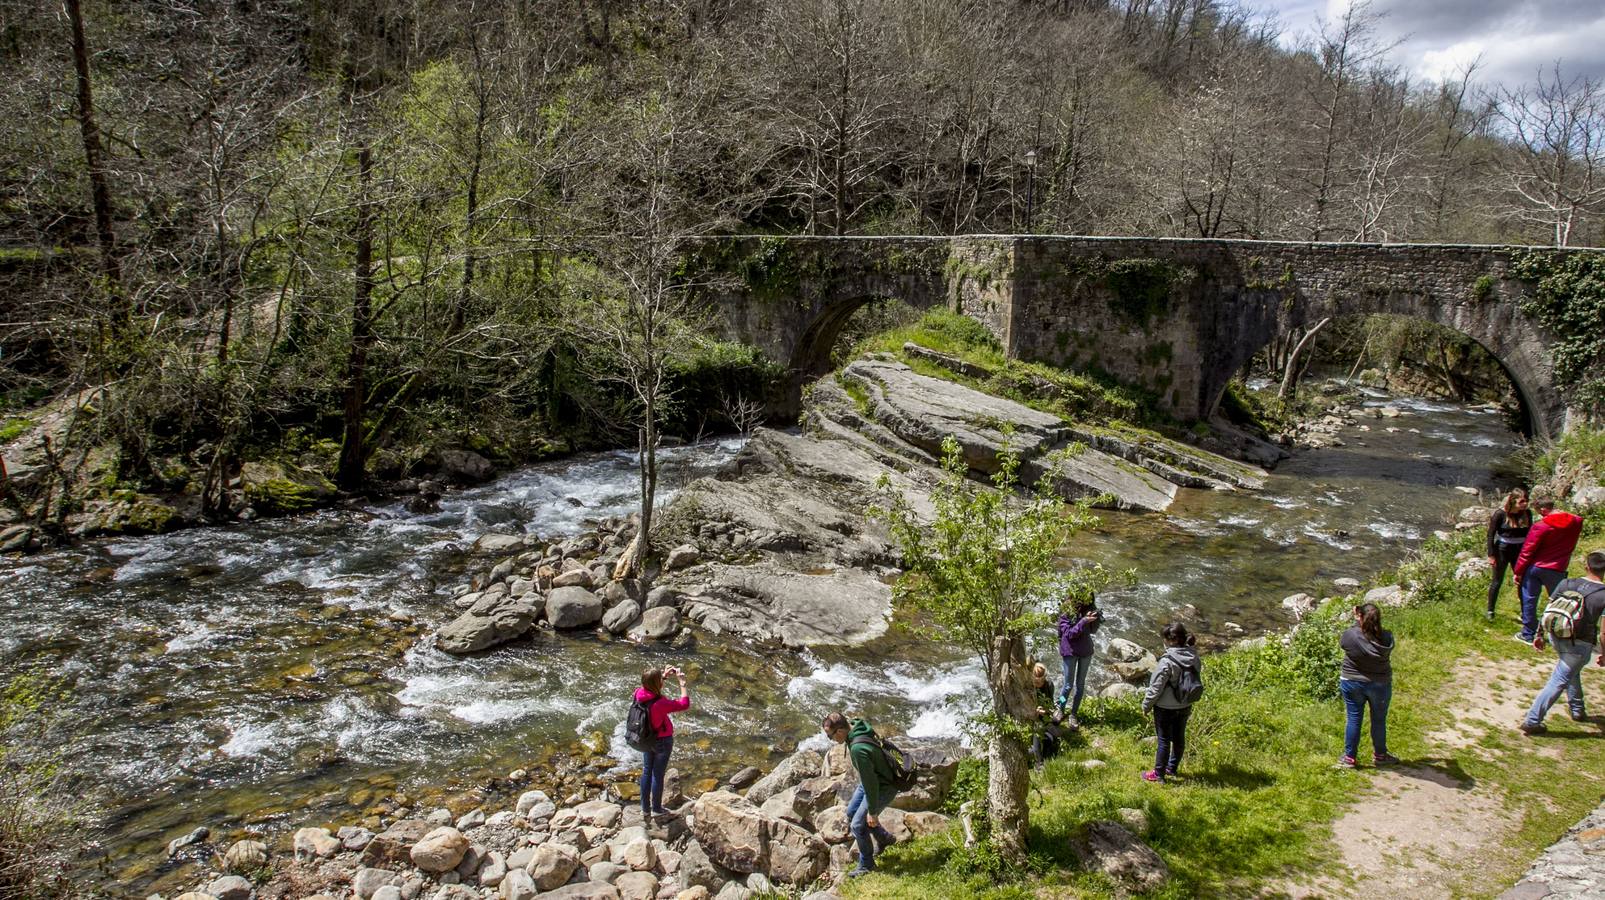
(657, 624)
(1107, 847)
(314, 843)
(1588, 497)
(1388, 595)
(552, 865)
(792, 771)
(465, 467)
(440, 850)
(1130, 662)
(245, 856)
(230, 887)
(391, 848)
(494, 619)
(573, 607)
(936, 765)
(738, 836)
(619, 619)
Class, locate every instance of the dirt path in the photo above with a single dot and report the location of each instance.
(1428, 830)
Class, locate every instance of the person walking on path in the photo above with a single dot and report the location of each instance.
(1075, 649)
(1507, 532)
(876, 787)
(1543, 559)
(1572, 652)
(1175, 686)
(1366, 680)
(655, 762)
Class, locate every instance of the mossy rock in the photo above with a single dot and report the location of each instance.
(274, 490)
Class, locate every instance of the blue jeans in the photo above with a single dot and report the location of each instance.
(1357, 695)
(653, 764)
(1170, 727)
(1535, 581)
(1075, 673)
(857, 811)
(1568, 676)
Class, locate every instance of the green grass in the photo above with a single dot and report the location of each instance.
(1071, 396)
(14, 428)
(1580, 448)
(1260, 793)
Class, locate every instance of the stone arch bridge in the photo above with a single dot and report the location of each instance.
(1177, 317)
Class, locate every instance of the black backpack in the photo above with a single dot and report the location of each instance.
(904, 774)
(638, 730)
(1189, 685)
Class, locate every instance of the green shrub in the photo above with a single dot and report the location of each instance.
(41, 820)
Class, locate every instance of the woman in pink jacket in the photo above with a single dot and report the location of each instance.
(655, 762)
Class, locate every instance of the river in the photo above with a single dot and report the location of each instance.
(270, 675)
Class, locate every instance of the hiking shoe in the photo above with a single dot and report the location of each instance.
(1153, 777)
(1072, 723)
(1384, 759)
(1489, 615)
(1579, 717)
(1347, 762)
(860, 872)
(1522, 640)
(1532, 728)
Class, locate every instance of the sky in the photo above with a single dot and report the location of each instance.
(1515, 38)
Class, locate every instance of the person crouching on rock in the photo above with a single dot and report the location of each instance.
(1176, 685)
(1047, 734)
(876, 787)
(655, 762)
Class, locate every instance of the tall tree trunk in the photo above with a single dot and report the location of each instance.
(95, 165)
(353, 448)
(1009, 771)
(1291, 372)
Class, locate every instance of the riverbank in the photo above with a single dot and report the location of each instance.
(1261, 811)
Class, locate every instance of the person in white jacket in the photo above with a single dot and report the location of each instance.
(1175, 686)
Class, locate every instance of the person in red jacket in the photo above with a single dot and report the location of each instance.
(1544, 557)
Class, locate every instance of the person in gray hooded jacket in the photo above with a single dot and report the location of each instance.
(1170, 699)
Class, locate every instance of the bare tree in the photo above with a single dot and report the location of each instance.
(1557, 164)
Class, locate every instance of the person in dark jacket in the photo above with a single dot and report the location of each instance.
(1366, 681)
(1047, 734)
(1543, 560)
(1076, 629)
(876, 787)
(1507, 531)
(1572, 652)
(1170, 710)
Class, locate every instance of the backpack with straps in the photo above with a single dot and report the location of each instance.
(904, 773)
(1564, 612)
(1189, 685)
(638, 730)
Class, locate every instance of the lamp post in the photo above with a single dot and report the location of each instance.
(1030, 185)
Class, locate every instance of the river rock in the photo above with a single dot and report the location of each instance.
(471, 819)
(230, 887)
(492, 870)
(391, 847)
(792, 771)
(921, 824)
(1300, 605)
(369, 880)
(584, 890)
(465, 467)
(657, 624)
(495, 542)
(15, 537)
(197, 835)
(1475, 567)
(530, 800)
(1120, 689)
(440, 850)
(244, 856)
(389, 892)
(1346, 584)
(577, 577)
(573, 607)
(517, 885)
(640, 855)
(353, 837)
(637, 886)
(619, 619)
(1130, 662)
(1390, 595)
(682, 556)
(831, 825)
(195, 895)
(739, 837)
(493, 619)
(314, 843)
(551, 865)
(1107, 847)
(936, 765)
(697, 869)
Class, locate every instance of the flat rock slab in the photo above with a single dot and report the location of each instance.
(840, 608)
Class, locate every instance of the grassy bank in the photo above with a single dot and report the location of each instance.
(1260, 795)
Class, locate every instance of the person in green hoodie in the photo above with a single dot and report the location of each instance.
(875, 787)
